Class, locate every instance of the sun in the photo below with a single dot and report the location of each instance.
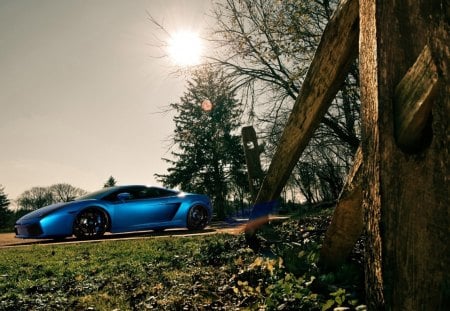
(185, 48)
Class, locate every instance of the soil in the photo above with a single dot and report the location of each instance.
(9, 240)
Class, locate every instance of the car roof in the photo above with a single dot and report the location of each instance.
(109, 190)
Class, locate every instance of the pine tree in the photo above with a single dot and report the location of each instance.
(209, 155)
(5, 213)
(111, 182)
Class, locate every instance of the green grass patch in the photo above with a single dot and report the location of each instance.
(102, 276)
(174, 273)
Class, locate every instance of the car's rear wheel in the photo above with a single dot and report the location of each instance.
(197, 218)
(90, 223)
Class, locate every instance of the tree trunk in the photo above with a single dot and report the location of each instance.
(405, 194)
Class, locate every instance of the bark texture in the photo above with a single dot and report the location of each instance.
(406, 197)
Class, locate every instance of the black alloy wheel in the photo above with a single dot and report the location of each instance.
(197, 218)
(90, 223)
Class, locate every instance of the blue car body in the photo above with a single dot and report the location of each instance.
(117, 209)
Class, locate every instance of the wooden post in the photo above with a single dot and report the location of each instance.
(405, 195)
(347, 223)
(252, 152)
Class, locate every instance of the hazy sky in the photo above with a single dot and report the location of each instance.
(80, 90)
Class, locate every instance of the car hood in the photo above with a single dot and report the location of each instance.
(44, 211)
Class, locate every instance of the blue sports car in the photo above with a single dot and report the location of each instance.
(117, 209)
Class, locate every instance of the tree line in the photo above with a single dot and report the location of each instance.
(262, 50)
(37, 197)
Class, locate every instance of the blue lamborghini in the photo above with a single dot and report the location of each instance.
(117, 209)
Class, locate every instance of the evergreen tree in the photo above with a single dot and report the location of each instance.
(111, 182)
(5, 213)
(4, 201)
(209, 157)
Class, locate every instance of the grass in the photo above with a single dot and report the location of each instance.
(176, 273)
(104, 275)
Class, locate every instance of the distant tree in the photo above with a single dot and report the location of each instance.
(65, 192)
(209, 157)
(38, 197)
(35, 198)
(4, 201)
(5, 213)
(111, 182)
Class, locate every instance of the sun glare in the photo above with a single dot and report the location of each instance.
(185, 48)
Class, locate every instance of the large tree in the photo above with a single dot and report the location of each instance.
(266, 47)
(207, 152)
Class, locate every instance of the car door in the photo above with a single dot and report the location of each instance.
(145, 209)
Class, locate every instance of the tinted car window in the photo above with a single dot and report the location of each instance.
(136, 193)
(166, 193)
(100, 194)
(133, 191)
(152, 193)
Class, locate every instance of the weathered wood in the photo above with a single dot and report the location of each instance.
(405, 195)
(336, 52)
(347, 223)
(370, 144)
(252, 158)
(413, 101)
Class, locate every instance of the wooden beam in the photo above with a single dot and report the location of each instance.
(336, 52)
(347, 223)
(413, 101)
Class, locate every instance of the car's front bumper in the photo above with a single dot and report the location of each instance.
(48, 227)
(29, 230)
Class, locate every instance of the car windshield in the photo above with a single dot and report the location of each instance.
(96, 195)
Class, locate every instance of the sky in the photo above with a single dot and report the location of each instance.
(82, 90)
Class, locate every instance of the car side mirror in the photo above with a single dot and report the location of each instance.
(124, 196)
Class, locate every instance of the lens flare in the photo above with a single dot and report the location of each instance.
(207, 105)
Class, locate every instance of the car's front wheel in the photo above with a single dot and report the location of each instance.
(197, 218)
(90, 223)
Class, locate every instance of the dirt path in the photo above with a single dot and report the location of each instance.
(8, 240)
